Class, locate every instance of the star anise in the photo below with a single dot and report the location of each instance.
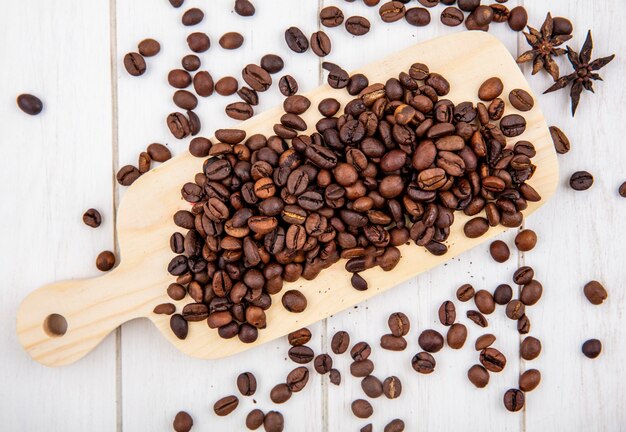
(583, 76)
(544, 48)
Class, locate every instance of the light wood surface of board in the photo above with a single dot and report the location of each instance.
(98, 118)
(94, 308)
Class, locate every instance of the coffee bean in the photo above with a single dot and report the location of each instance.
(176, 291)
(143, 162)
(513, 400)
(478, 318)
(500, 13)
(239, 110)
(134, 64)
(164, 309)
(280, 393)
(561, 26)
(503, 294)
(595, 292)
(256, 77)
(179, 326)
(478, 376)
(499, 251)
(248, 333)
(301, 354)
(176, 3)
(29, 104)
(447, 313)
(372, 386)
(226, 86)
(423, 363)
(231, 40)
(340, 342)
(331, 16)
(182, 422)
(515, 309)
(244, 8)
(226, 405)
(465, 293)
(399, 324)
(357, 25)
(320, 44)
(492, 359)
(592, 348)
(296, 104)
(198, 42)
(395, 425)
(622, 190)
(192, 17)
(272, 63)
(512, 125)
(392, 11)
(475, 227)
(521, 99)
(529, 380)
(335, 377)
(274, 422)
(190, 62)
(323, 363)
(337, 77)
(526, 240)
(299, 337)
(179, 78)
(430, 341)
(393, 343)
(178, 125)
(518, 18)
(105, 261)
(484, 302)
(294, 301)
(92, 218)
(246, 383)
(287, 85)
(360, 351)
(531, 293)
(358, 283)
(452, 16)
(484, 341)
(200, 147)
(561, 142)
(417, 16)
(363, 368)
(490, 89)
(362, 408)
(148, 47)
(530, 348)
(254, 419)
(523, 325)
(581, 180)
(456, 336)
(296, 40)
(392, 387)
(523, 275)
(429, 3)
(195, 312)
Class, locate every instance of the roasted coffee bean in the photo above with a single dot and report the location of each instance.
(478, 376)
(335, 377)
(105, 261)
(226, 405)
(231, 40)
(280, 393)
(372, 386)
(191, 62)
(529, 380)
(272, 63)
(331, 16)
(256, 77)
(512, 125)
(254, 419)
(296, 104)
(134, 64)
(484, 341)
(301, 354)
(185, 100)
(452, 16)
(299, 337)
(179, 326)
(362, 408)
(358, 283)
(246, 383)
(503, 294)
(492, 359)
(429, 3)
(490, 89)
(179, 78)
(323, 363)
(518, 18)
(430, 341)
(297, 379)
(198, 42)
(523, 325)
(561, 142)
(357, 25)
(515, 309)
(337, 77)
(399, 324)
(248, 95)
(581, 180)
(456, 336)
(296, 40)
(477, 318)
(340, 342)
(329, 107)
(622, 190)
(320, 44)
(484, 302)
(148, 47)
(248, 333)
(274, 422)
(182, 422)
(176, 3)
(595, 292)
(287, 85)
(395, 425)
(178, 125)
(164, 309)
(417, 16)
(465, 292)
(195, 312)
(226, 86)
(500, 13)
(92, 218)
(393, 343)
(530, 348)
(32, 105)
(392, 387)
(514, 400)
(523, 275)
(239, 110)
(476, 227)
(521, 100)
(244, 8)
(392, 11)
(360, 369)
(176, 291)
(360, 351)
(423, 363)
(562, 26)
(499, 251)
(447, 313)
(200, 147)
(526, 240)
(531, 293)
(192, 17)
(592, 348)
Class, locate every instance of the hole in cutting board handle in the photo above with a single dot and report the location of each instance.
(55, 325)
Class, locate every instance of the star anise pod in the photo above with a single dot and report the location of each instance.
(583, 76)
(544, 48)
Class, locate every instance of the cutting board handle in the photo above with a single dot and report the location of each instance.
(59, 323)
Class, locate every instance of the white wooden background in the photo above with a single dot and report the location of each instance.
(98, 118)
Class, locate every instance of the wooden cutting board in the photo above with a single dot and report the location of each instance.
(92, 308)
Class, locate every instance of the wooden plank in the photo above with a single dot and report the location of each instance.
(580, 240)
(157, 379)
(54, 166)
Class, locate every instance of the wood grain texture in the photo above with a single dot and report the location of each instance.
(53, 167)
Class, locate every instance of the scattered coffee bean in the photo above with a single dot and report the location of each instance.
(515, 309)
(143, 163)
(272, 63)
(372, 386)
(231, 40)
(198, 42)
(191, 62)
(581, 180)
(176, 3)
(358, 283)
(274, 422)
(514, 400)
(478, 376)
(182, 422)
(452, 16)
(457, 335)
(246, 383)
(367, 428)
(149, 47)
(423, 363)
(595, 292)
(523, 325)
(484, 341)
(244, 8)
(490, 89)
(362, 408)
(105, 261)
(492, 359)
(430, 341)
(417, 16)
(30, 104)
(296, 40)
(335, 377)
(523, 275)
(529, 380)
(518, 18)
(92, 218)
(560, 140)
(392, 11)
(363, 368)
(478, 318)
(133, 62)
(521, 99)
(254, 419)
(323, 363)
(360, 351)
(192, 17)
(531, 293)
(592, 348)
(499, 251)
(200, 147)
(429, 3)
(399, 324)
(357, 25)
(299, 337)
(393, 343)
(340, 342)
(297, 379)
(530, 348)
(331, 16)
(475, 227)
(287, 85)
(179, 78)
(447, 313)
(395, 425)
(392, 387)
(164, 309)
(294, 301)
(503, 294)
(484, 302)
(526, 240)
(622, 190)
(465, 293)
(179, 326)
(301, 354)
(320, 44)
(561, 26)
(280, 393)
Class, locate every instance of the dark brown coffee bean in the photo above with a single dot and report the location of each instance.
(492, 359)
(340, 342)
(256, 77)
(523, 275)
(429, 3)
(296, 40)
(512, 125)
(301, 354)
(200, 147)
(287, 85)
(399, 324)
(595, 292)
(581, 180)
(357, 25)
(452, 16)
(514, 400)
(178, 125)
(320, 44)
(499, 251)
(323, 363)
(484, 341)
(182, 422)
(274, 422)
(360, 351)
(254, 419)
(561, 142)
(92, 218)
(430, 341)
(297, 379)
(248, 333)
(456, 336)
(372, 386)
(592, 348)
(392, 387)
(134, 64)
(231, 40)
(393, 343)
(226, 86)
(105, 261)
(143, 162)
(195, 312)
(179, 78)
(465, 293)
(246, 383)
(149, 47)
(423, 363)
(500, 13)
(244, 8)
(164, 309)
(362, 408)
(526, 240)
(280, 393)
(447, 313)
(622, 190)
(523, 325)
(521, 100)
(192, 17)
(358, 283)
(32, 105)
(503, 294)
(518, 18)
(176, 291)
(478, 318)
(198, 42)
(529, 380)
(530, 348)
(299, 337)
(296, 104)
(191, 62)
(417, 16)
(331, 16)
(484, 302)
(185, 100)
(490, 89)
(562, 26)
(363, 368)
(179, 326)
(392, 11)
(335, 377)
(476, 227)
(239, 111)
(515, 309)
(226, 405)
(478, 376)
